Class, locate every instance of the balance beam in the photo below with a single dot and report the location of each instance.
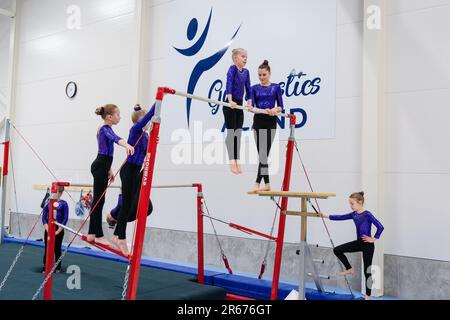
(291, 194)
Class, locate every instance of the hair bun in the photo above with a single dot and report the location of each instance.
(137, 107)
(266, 62)
(100, 111)
(361, 193)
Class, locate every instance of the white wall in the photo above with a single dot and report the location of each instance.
(225, 192)
(99, 58)
(418, 162)
(5, 25)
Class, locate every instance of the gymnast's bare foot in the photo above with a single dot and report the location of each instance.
(266, 187)
(123, 246)
(103, 241)
(238, 166)
(366, 297)
(255, 188)
(115, 241)
(90, 237)
(234, 167)
(346, 272)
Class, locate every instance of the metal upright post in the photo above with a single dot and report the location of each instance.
(303, 246)
(284, 204)
(305, 253)
(200, 245)
(4, 180)
(144, 198)
(50, 250)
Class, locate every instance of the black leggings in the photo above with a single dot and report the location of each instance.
(128, 174)
(234, 120)
(367, 250)
(58, 243)
(134, 205)
(99, 169)
(264, 139)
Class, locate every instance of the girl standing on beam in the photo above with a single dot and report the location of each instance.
(267, 96)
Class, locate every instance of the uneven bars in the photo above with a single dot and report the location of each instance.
(225, 104)
(90, 186)
(68, 229)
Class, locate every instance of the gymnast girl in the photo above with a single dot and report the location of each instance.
(130, 172)
(238, 81)
(364, 243)
(101, 167)
(266, 96)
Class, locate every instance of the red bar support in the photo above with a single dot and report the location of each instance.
(200, 244)
(50, 251)
(104, 247)
(5, 158)
(284, 204)
(230, 296)
(251, 231)
(144, 199)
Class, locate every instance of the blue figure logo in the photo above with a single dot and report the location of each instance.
(204, 64)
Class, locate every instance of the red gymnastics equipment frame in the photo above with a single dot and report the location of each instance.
(144, 199)
(147, 178)
(49, 264)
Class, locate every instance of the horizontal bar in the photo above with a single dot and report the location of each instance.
(23, 212)
(224, 104)
(319, 261)
(288, 194)
(75, 188)
(68, 229)
(7, 13)
(174, 186)
(89, 187)
(320, 276)
(302, 214)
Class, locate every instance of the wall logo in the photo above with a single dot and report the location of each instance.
(204, 64)
(296, 84)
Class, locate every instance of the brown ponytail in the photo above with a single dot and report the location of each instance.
(106, 110)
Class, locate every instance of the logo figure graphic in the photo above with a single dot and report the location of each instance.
(204, 64)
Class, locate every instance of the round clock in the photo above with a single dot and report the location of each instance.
(71, 89)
